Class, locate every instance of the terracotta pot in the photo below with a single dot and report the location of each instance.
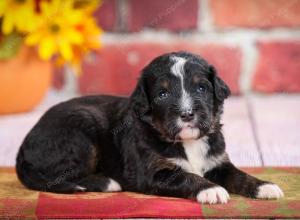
(24, 80)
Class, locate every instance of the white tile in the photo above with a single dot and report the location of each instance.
(277, 120)
(238, 133)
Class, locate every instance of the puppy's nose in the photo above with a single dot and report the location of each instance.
(187, 115)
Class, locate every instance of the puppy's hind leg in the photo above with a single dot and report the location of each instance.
(99, 183)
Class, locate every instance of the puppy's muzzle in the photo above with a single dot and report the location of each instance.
(187, 115)
(188, 129)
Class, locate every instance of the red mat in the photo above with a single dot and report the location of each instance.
(17, 202)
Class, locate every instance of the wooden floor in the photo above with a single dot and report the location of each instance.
(259, 130)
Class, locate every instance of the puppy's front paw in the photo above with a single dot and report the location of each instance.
(216, 194)
(269, 191)
(113, 186)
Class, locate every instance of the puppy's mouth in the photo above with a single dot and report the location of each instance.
(188, 132)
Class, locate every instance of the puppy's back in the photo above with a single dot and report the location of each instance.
(61, 143)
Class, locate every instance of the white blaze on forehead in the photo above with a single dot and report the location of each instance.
(178, 70)
(178, 67)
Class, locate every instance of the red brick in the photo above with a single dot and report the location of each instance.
(278, 68)
(167, 14)
(115, 69)
(106, 15)
(256, 13)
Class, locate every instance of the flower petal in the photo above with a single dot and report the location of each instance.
(47, 48)
(2, 7)
(65, 50)
(74, 36)
(33, 38)
(7, 23)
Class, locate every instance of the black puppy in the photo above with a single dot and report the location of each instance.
(165, 139)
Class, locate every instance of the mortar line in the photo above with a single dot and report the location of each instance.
(122, 15)
(204, 21)
(232, 37)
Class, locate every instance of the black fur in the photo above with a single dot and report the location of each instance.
(85, 141)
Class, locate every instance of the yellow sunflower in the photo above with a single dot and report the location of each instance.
(17, 14)
(57, 31)
(91, 41)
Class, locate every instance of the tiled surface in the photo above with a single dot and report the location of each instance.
(271, 136)
(277, 123)
(238, 133)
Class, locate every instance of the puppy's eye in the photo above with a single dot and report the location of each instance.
(163, 94)
(201, 89)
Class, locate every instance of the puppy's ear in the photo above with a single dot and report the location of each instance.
(221, 90)
(139, 98)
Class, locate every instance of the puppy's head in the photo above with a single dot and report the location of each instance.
(180, 96)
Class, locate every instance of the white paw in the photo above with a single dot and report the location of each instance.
(113, 186)
(213, 195)
(269, 191)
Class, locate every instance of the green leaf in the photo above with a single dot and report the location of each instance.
(10, 45)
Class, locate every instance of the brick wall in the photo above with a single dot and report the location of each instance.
(255, 44)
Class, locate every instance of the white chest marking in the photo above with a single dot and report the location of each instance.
(178, 70)
(197, 160)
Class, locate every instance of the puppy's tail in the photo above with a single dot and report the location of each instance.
(34, 179)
